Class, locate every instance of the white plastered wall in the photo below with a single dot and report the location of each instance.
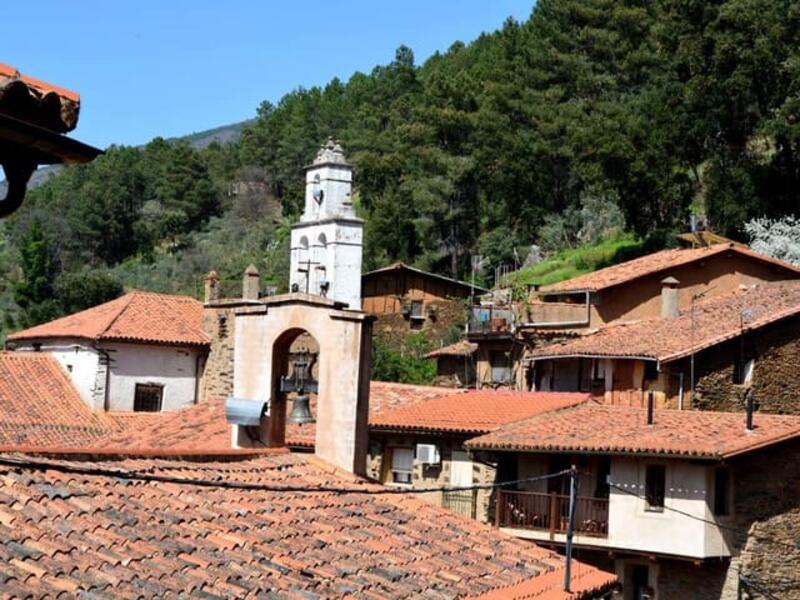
(79, 359)
(173, 367)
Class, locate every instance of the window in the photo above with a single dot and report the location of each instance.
(743, 371)
(501, 367)
(603, 471)
(655, 483)
(650, 370)
(722, 479)
(402, 465)
(147, 397)
(416, 309)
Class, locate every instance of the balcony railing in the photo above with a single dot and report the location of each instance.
(556, 314)
(491, 320)
(461, 502)
(550, 512)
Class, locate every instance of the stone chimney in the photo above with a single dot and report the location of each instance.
(211, 287)
(669, 298)
(250, 283)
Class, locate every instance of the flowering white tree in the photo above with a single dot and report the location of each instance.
(779, 238)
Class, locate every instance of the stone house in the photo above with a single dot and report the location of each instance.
(405, 300)
(632, 290)
(678, 507)
(421, 444)
(455, 364)
(141, 352)
(702, 357)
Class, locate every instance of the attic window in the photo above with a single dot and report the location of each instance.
(147, 397)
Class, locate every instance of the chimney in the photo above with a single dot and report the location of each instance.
(211, 287)
(669, 298)
(250, 283)
(650, 407)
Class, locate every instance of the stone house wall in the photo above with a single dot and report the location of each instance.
(427, 475)
(218, 324)
(776, 385)
(444, 319)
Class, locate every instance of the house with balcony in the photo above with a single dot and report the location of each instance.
(678, 503)
(422, 444)
(706, 356)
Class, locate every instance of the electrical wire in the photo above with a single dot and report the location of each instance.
(246, 485)
(737, 530)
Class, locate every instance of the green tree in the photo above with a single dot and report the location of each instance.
(40, 267)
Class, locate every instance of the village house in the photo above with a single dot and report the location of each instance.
(405, 300)
(421, 444)
(680, 504)
(141, 352)
(632, 290)
(34, 116)
(455, 364)
(255, 518)
(705, 356)
(505, 336)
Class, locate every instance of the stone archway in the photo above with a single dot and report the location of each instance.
(264, 334)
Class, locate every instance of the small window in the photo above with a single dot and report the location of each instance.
(147, 397)
(655, 484)
(402, 465)
(501, 366)
(650, 370)
(743, 371)
(722, 478)
(601, 488)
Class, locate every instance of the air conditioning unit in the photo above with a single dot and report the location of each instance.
(428, 454)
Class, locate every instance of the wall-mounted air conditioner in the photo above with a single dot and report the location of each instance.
(428, 454)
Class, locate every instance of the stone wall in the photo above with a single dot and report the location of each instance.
(443, 318)
(679, 579)
(218, 324)
(432, 475)
(767, 521)
(776, 379)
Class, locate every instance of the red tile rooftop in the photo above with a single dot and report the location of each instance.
(656, 263)
(234, 527)
(476, 411)
(461, 348)
(203, 426)
(137, 316)
(593, 428)
(39, 406)
(712, 321)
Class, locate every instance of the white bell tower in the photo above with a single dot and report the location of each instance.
(327, 243)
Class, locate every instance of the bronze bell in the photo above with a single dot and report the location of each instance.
(301, 410)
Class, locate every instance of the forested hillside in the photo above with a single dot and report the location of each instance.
(592, 118)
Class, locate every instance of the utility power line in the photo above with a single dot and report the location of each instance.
(246, 485)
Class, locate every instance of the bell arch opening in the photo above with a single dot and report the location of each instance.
(294, 387)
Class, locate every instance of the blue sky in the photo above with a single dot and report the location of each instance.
(173, 67)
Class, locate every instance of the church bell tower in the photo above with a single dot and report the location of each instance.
(327, 243)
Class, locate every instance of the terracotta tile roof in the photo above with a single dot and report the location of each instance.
(144, 527)
(612, 429)
(477, 411)
(135, 317)
(715, 320)
(40, 407)
(37, 102)
(203, 427)
(658, 262)
(460, 348)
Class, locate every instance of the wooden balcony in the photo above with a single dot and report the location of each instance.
(550, 512)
